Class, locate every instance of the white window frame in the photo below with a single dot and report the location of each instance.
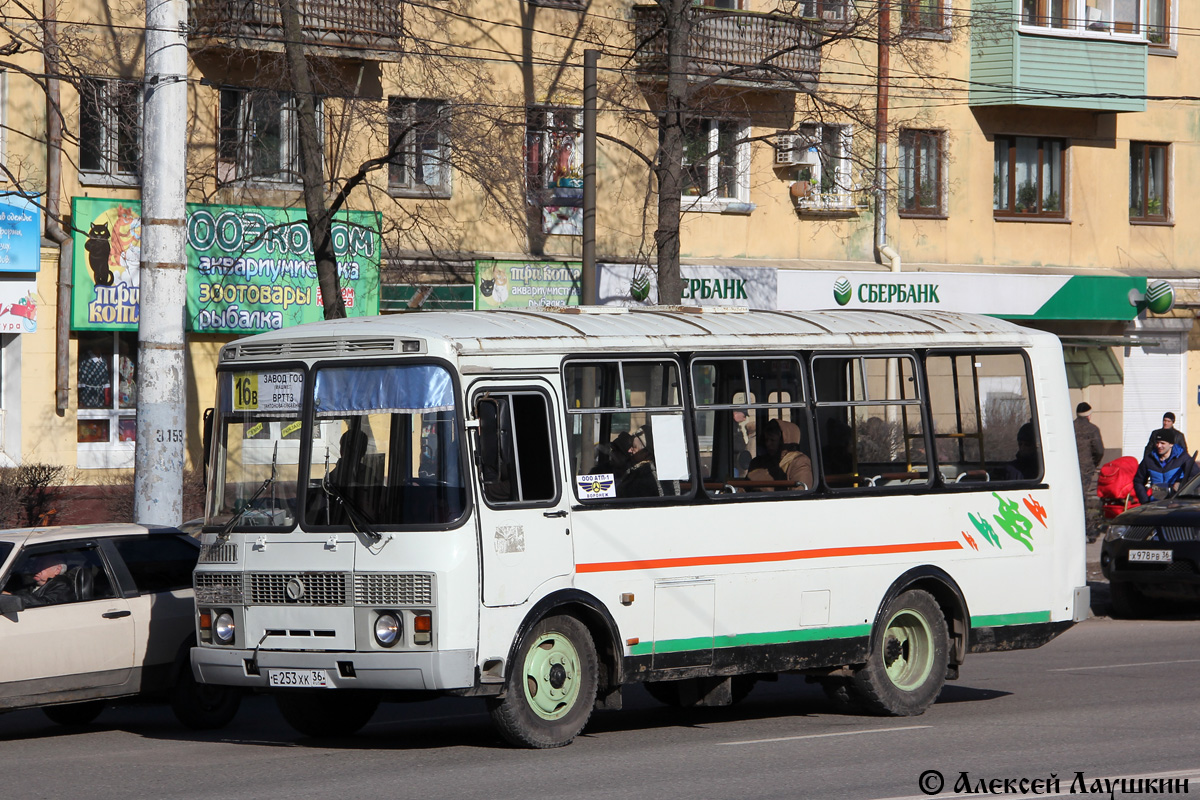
(1093, 21)
(412, 112)
(828, 193)
(240, 168)
(113, 454)
(109, 172)
(710, 201)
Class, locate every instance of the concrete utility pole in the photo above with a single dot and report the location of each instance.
(588, 294)
(159, 455)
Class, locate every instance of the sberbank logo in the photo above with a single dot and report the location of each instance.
(1160, 297)
(885, 293)
(842, 291)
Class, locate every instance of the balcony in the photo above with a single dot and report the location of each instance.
(734, 48)
(346, 28)
(1077, 62)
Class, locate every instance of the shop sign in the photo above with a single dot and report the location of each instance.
(527, 284)
(20, 234)
(1062, 297)
(630, 284)
(249, 269)
(18, 306)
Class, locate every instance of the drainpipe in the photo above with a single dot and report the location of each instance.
(883, 55)
(54, 230)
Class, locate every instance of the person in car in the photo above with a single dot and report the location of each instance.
(51, 584)
(1164, 469)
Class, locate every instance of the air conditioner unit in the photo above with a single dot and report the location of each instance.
(790, 150)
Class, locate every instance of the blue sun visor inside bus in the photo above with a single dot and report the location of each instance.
(418, 388)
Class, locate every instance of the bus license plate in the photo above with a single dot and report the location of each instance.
(1150, 555)
(299, 678)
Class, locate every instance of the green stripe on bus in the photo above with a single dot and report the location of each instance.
(1024, 618)
(749, 639)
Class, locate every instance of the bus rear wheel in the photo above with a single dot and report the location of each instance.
(906, 668)
(551, 686)
(328, 714)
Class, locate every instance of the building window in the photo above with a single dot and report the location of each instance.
(259, 136)
(828, 10)
(110, 127)
(921, 158)
(554, 167)
(419, 141)
(1148, 182)
(823, 166)
(1158, 22)
(1028, 176)
(923, 16)
(714, 159)
(106, 390)
(3, 120)
(1046, 13)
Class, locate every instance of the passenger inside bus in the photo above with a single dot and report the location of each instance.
(1025, 465)
(782, 458)
(641, 478)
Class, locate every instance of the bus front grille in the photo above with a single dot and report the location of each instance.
(297, 588)
(393, 589)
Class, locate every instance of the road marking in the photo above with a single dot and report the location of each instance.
(828, 735)
(1122, 666)
(1063, 780)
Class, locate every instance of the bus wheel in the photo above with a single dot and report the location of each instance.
(551, 686)
(202, 706)
(906, 667)
(75, 713)
(328, 714)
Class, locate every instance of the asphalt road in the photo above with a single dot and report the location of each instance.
(1109, 699)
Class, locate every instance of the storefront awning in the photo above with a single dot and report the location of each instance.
(1093, 365)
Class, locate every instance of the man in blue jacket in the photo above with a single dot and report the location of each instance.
(1166, 469)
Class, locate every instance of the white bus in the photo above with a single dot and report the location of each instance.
(539, 508)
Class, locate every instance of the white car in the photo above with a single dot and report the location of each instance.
(89, 613)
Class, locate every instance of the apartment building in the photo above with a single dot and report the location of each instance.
(1035, 165)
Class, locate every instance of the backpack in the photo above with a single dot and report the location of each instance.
(1114, 485)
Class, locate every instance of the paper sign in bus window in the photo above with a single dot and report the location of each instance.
(670, 452)
(267, 391)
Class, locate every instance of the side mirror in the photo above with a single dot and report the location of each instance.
(11, 604)
(207, 439)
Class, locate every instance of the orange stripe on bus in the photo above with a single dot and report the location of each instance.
(755, 558)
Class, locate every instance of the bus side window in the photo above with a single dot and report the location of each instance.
(870, 420)
(516, 448)
(983, 417)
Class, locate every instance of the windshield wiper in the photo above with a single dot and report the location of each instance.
(268, 481)
(359, 521)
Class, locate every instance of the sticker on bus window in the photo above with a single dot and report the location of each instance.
(596, 487)
(267, 391)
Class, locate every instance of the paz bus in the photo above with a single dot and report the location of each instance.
(539, 508)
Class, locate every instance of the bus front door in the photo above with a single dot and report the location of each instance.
(523, 513)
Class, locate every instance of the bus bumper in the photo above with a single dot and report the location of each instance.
(419, 671)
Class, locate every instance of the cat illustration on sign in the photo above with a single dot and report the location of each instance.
(99, 249)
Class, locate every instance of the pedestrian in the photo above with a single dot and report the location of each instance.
(1168, 426)
(1166, 469)
(1091, 452)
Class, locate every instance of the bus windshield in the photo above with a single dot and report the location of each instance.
(258, 456)
(385, 448)
(384, 453)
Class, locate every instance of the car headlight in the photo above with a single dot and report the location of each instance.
(224, 628)
(387, 629)
(1116, 532)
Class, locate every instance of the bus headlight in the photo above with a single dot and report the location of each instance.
(224, 628)
(387, 629)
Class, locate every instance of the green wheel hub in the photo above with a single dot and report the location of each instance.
(552, 675)
(908, 649)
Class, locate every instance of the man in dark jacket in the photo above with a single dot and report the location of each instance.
(51, 584)
(1165, 469)
(1169, 428)
(1091, 452)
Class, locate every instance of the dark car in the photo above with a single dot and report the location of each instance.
(91, 613)
(1150, 555)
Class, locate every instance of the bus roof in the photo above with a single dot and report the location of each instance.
(515, 331)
